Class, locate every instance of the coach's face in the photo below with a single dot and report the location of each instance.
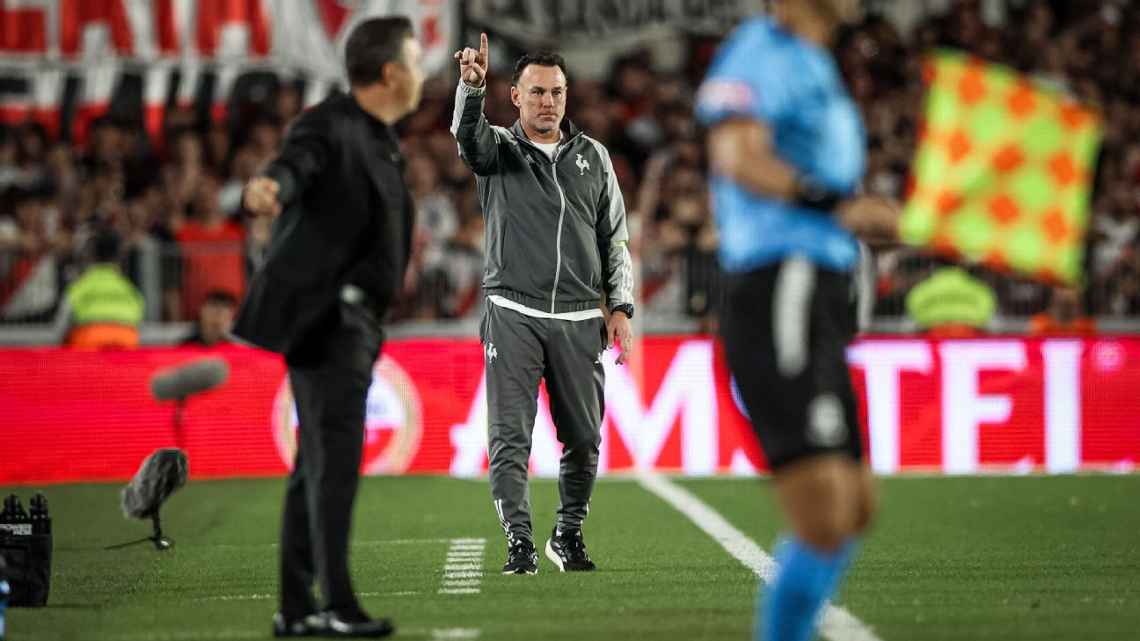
(540, 96)
(407, 75)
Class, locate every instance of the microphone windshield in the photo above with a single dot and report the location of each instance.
(160, 475)
(177, 383)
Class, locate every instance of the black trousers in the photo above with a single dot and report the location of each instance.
(330, 375)
(786, 328)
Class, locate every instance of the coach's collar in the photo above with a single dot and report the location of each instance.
(569, 131)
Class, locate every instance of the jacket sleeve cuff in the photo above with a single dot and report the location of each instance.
(472, 92)
(625, 308)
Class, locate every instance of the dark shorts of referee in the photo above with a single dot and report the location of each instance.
(786, 327)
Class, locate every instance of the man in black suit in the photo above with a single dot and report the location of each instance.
(336, 261)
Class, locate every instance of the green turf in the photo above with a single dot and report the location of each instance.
(990, 558)
(1039, 558)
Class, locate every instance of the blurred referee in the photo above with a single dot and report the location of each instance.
(556, 244)
(787, 150)
(336, 260)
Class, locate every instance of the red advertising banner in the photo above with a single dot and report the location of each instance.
(43, 41)
(953, 406)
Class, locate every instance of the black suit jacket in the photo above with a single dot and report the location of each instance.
(346, 217)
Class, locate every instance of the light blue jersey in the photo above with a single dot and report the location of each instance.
(793, 87)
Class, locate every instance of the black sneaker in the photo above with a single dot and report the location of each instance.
(567, 550)
(305, 626)
(521, 558)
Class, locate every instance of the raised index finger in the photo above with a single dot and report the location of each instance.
(483, 49)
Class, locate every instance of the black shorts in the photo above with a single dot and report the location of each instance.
(786, 328)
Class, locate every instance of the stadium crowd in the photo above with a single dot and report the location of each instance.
(181, 200)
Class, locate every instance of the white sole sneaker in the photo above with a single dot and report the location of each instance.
(554, 558)
(521, 573)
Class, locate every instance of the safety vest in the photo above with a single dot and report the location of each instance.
(103, 295)
(951, 297)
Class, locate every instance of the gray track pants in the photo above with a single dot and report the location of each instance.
(518, 351)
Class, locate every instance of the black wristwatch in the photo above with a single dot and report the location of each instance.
(624, 308)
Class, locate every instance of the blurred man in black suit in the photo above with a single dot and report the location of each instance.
(335, 263)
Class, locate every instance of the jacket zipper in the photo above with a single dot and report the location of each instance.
(558, 239)
(561, 212)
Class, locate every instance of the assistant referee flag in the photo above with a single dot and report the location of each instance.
(1003, 171)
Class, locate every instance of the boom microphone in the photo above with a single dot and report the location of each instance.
(161, 474)
(178, 383)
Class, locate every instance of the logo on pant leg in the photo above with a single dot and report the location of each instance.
(491, 353)
(826, 426)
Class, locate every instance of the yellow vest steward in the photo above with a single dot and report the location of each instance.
(103, 295)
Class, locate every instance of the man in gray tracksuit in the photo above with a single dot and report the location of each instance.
(555, 243)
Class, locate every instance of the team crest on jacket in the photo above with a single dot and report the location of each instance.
(393, 421)
(583, 165)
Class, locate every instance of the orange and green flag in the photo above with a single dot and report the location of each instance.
(1003, 171)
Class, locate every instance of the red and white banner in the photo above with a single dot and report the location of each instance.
(42, 40)
(953, 406)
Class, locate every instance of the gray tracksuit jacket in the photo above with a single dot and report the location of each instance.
(556, 237)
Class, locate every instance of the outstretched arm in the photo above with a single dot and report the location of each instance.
(478, 144)
(303, 157)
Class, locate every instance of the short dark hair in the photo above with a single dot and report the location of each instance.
(540, 58)
(373, 44)
(105, 246)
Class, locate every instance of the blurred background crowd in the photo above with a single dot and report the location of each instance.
(174, 205)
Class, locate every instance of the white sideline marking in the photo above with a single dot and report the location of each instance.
(462, 574)
(266, 597)
(441, 634)
(446, 634)
(187, 635)
(435, 634)
(371, 543)
(465, 574)
(235, 597)
(836, 623)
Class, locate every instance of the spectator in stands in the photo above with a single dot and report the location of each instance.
(212, 249)
(32, 250)
(287, 102)
(243, 166)
(1065, 316)
(461, 265)
(218, 147)
(951, 302)
(214, 321)
(265, 138)
(181, 175)
(644, 118)
(33, 142)
(102, 308)
(107, 144)
(9, 157)
(435, 211)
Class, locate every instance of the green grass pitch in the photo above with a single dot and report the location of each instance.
(1041, 558)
